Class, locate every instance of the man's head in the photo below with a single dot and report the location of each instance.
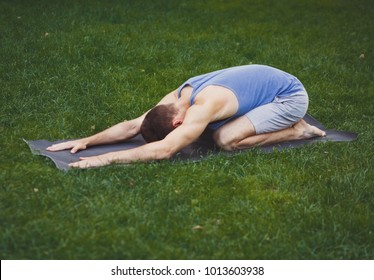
(159, 122)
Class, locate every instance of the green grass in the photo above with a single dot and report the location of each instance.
(73, 68)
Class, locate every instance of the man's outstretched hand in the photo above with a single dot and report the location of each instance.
(91, 162)
(74, 145)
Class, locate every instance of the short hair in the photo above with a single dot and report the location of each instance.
(158, 123)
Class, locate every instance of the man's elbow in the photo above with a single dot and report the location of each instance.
(166, 152)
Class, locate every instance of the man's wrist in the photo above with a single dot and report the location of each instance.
(87, 141)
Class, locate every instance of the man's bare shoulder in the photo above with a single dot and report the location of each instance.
(222, 99)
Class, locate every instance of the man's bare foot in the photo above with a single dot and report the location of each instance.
(303, 130)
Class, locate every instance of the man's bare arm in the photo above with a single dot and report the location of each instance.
(193, 126)
(117, 133)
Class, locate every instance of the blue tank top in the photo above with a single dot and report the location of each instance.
(254, 85)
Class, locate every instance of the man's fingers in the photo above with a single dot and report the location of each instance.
(65, 146)
(52, 148)
(88, 162)
(58, 147)
(77, 164)
(73, 164)
(74, 150)
(82, 163)
(77, 147)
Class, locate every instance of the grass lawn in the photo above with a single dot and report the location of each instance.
(73, 68)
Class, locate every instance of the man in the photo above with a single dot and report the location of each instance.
(244, 106)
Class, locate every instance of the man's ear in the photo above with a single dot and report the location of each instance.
(177, 122)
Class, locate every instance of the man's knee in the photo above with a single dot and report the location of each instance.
(230, 135)
(223, 141)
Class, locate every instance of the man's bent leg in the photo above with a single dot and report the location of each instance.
(229, 135)
(275, 122)
(240, 134)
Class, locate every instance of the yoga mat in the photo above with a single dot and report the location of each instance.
(196, 151)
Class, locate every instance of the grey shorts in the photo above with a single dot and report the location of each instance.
(283, 112)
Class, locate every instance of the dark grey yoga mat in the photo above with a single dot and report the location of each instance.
(196, 151)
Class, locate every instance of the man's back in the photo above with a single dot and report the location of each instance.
(253, 86)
